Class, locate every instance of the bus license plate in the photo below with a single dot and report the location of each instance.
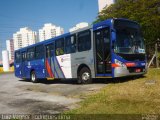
(138, 70)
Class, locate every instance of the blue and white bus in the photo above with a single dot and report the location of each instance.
(111, 48)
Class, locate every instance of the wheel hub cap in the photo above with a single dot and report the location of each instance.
(85, 76)
(33, 77)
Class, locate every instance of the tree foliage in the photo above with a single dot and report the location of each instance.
(145, 12)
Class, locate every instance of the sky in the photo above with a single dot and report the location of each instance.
(15, 14)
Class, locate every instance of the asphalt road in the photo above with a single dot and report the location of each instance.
(50, 97)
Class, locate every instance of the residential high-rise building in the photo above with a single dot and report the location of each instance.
(10, 48)
(79, 26)
(104, 3)
(49, 31)
(24, 37)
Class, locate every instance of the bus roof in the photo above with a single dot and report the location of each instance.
(44, 42)
(95, 26)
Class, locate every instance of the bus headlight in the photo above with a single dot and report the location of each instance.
(121, 64)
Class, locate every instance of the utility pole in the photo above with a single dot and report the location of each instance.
(156, 52)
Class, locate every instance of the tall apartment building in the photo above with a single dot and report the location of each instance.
(49, 31)
(79, 26)
(24, 37)
(105, 3)
(10, 48)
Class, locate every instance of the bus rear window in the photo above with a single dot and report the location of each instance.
(17, 57)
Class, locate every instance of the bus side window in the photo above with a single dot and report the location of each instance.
(70, 44)
(39, 52)
(50, 50)
(30, 54)
(23, 56)
(60, 47)
(84, 41)
(17, 57)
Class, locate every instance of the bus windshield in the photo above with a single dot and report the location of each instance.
(128, 38)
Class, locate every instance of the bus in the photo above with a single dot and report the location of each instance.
(108, 49)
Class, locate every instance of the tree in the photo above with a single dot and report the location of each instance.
(145, 12)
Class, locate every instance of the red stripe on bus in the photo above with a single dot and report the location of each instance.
(115, 65)
(49, 70)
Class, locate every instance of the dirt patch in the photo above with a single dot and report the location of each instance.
(37, 106)
(67, 90)
(23, 97)
(48, 108)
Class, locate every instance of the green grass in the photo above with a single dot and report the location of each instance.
(138, 96)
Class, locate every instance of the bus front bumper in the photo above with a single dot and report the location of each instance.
(130, 71)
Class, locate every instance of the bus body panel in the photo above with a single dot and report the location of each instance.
(70, 63)
(58, 66)
(62, 64)
(50, 68)
(39, 68)
(18, 70)
(85, 59)
(30, 67)
(18, 66)
(24, 69)
(67, 65)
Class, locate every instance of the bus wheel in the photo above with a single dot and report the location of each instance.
(33, 77)
(84, 76)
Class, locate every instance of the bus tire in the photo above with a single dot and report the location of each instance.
(84, 76)
(33, 77)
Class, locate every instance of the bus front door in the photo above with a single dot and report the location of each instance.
(103, 52)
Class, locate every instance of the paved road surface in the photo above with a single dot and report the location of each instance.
(22, 97)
